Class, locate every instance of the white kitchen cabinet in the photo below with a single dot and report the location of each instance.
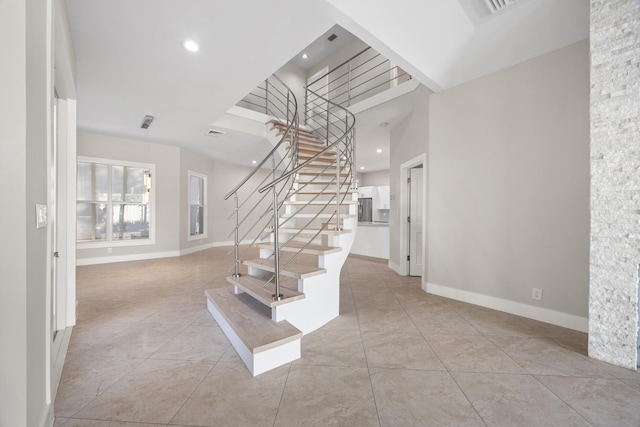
(365, 192)
(383, 199)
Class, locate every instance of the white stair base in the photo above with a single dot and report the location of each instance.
(257, 360)
(320, 306)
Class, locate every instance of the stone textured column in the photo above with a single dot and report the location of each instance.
(615, 181)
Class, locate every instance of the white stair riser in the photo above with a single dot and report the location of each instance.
(320, 306)
(263, 361)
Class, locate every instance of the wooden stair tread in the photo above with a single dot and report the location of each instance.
(329, 155)
(324, 191)
(294, 246)
(310, 181)
(311, 169)
(297, 271)
(309, 137)
(303, 148)
(308, 230)
(319, 202)
(330, 173)
(251, 321)
(282, 127)
(321, 163)
(263, 294)
(320, 215)
(303, 138)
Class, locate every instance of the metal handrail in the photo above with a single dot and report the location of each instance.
(334, 126)
(279, 101)
(350, 74)
(340, 66)
(272, 152)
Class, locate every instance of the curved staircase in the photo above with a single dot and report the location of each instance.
(297, 210)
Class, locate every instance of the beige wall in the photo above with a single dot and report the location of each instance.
(172, 168)
(190, 161)
(376, 179)
(408, 140)
(26, 367)
(14, 304)
(167, 181)
(226, 176)
(508, 192)
(296, 79)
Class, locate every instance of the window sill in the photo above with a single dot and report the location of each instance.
(197, 237)
(115, 244)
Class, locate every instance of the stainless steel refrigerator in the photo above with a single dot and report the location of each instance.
(365, 208)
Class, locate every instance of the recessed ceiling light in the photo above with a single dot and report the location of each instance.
(254, 162)
(304, 56)
(191, 45)
(379, 150)
(361, 168)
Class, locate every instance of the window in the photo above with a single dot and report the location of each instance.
(114, 202)
(197, 206)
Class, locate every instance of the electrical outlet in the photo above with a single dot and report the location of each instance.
(536, 294)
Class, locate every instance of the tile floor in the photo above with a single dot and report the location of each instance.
(146, 352)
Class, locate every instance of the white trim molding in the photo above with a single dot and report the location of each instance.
(395, 267)
(205, 220)
(541, 314)
(405, 167)
(124, 258)
(187, 251)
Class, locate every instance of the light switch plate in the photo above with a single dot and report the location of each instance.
(41, 216)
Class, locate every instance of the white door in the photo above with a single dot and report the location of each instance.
(52, 237)
(63, 230)
(416, 257)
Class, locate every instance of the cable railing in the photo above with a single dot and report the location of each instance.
(334, 126)
(254, 213)
(320, 180)
(360, 77)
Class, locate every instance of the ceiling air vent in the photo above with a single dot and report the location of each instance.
(146, 122)
(215, 132)
(332, 37)
(497, 5)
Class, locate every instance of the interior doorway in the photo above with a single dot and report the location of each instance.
(413, 217)
(415, 220)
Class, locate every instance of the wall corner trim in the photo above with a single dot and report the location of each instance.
(546, 315)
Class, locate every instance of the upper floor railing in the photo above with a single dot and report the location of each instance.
(360, 77)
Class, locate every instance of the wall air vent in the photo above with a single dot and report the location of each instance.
(497, 5)
(146, 122)
(215, 132)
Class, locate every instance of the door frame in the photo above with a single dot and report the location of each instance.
(65, 243)
(404, 212)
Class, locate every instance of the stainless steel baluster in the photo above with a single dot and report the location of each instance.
(277, 296)
(236, 272)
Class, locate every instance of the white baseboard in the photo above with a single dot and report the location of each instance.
(395, 267)
(230, 243)
(532, 312)
(196, 248)
(124, 258)
(153, 255)
(227, 243)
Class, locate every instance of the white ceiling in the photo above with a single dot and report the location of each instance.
(130, 59)
(322, 47)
